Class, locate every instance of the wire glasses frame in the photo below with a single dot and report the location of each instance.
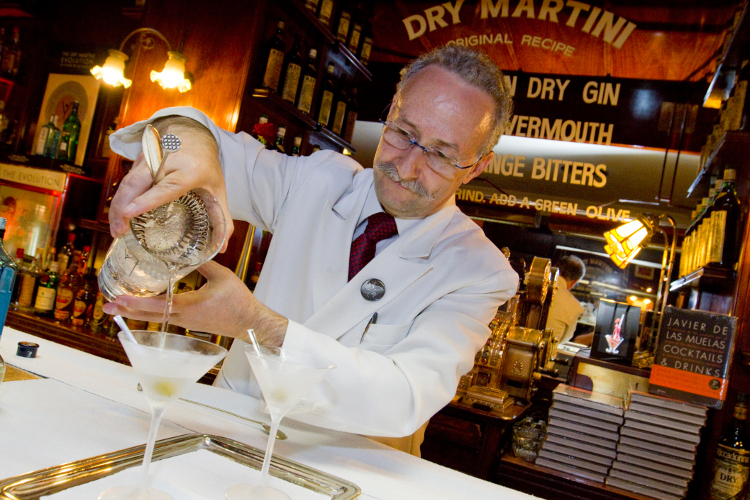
(438, 161)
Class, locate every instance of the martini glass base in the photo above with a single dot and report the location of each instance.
(248, 491)
(133, 493)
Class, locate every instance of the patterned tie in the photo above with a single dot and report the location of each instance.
(380, 226)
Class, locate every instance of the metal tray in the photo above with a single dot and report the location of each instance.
(32, 485)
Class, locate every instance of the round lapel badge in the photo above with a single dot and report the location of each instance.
(373, 289)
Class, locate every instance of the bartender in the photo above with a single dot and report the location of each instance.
(565, 310)
(375, 269)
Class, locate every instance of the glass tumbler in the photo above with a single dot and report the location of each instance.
(528, 435)
(173, 239)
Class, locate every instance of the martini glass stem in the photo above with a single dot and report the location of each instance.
(264, 478)
(156, 415)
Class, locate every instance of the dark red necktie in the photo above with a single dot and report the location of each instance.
(380, 226)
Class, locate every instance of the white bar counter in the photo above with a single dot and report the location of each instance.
(86, 406)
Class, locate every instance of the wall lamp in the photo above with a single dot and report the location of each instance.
(624, 243)
(172, 76)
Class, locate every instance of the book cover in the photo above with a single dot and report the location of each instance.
(648, 464)
(658, 439)
(574, 461)
(693, 356)
(666, 451)
(573, 471)
(583, 429)
(669, 423)
(589, 399)
(587, 412)
(671, 404)
(604, 444)
(577, 453)
(580, 419)
(641, 490)
(667, 414)
(685, 463)
(647, 472)
(663, 431)
(581, 445)
(656, 486)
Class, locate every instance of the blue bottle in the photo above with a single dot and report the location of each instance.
(8, 271)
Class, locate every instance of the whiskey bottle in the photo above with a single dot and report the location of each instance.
(732, 460)
(275, 59)
(309, 79)
(44, 132)
(84, 301)
(8, 272)
(297, 148)
(292, 71)
(355, 33)
(727, 230)
(44, 305)
(278, 144)
(344, 22)
(66, 291)
(326, 98)
(312, 5)
(325, 12)
(68, 146)
(351, 115)
(338, 111)
(66, 253)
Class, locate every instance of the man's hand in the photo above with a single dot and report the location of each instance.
(195, 165)
(222, 306)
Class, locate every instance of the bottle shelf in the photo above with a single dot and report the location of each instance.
(723, 78)
(285, 107)
(708, 275)
(731, 149)
(336, 139)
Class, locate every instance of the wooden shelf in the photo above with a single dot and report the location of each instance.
(723, 78)
(285, 107)
(731, 150)
(95, 225)
(334, 138)
(710, 276)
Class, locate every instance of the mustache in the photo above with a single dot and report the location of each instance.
(416, 187)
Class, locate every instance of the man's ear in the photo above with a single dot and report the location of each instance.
(479, 167)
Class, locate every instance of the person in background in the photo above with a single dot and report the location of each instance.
(375, 269)
(565, 310)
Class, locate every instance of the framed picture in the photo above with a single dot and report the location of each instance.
(61, 92)
(617, 327)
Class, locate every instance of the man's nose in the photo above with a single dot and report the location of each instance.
(410, 165)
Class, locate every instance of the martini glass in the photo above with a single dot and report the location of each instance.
(284, 377)
(166, 365)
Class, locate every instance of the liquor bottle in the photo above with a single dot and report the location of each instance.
(344, 22)
(727, 230)
(97, 320)
(297, 148)
(355, 33)
(53, 138)
(686, 249)
(67, 288)
(8, 271)
(700, 236)
(732, 460)
(312, 5)
(44, 305)
(338, 111)
(365, 47)
(709, 219)
(66, 253)
(11, 55)
(71, 129)
(740, 100)
(325, 12)
(84, 301)
(351, 115)
(292, 71)
(705, 229)
(275, 59)
(309, 79)
(44, 133)
(29, 280)
(278, 144)
(326, 98)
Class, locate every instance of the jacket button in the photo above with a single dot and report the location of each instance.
(302, 403)
(318, 408)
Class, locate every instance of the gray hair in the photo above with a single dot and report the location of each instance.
(475, 68)
(571, 268)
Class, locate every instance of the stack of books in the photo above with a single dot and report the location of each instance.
(582, 433)
(658, 442)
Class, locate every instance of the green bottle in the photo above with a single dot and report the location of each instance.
(47, 291)
(68, 144)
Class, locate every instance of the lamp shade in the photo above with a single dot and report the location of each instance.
(173, 74)
(624, 242)
(113, 70)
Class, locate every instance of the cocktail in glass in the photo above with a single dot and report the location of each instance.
(284, 377)
(166, 365)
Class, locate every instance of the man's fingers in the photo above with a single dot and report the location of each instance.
(136, 182)
(212, 270)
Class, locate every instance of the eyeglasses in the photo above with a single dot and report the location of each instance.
(443, 164)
